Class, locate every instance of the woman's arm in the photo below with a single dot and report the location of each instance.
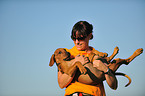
(110, 77)
(111, 80)
(64, 79)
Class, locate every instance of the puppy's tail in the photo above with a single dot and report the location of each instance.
(122, 74)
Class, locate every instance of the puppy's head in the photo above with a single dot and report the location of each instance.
(59, 56)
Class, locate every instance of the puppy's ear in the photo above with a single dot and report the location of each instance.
(52, 60)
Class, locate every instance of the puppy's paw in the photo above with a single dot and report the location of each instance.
(138, 51)
(116, 49)
(83, 70)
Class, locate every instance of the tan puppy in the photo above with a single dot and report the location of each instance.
(66, 64)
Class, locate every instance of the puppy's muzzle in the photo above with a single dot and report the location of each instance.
(68, 56)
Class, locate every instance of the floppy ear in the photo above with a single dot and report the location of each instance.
(52, 60)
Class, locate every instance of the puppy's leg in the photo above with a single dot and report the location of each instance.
(71, 71)
(135, 54)
(116, 63)
(91, 57)
(116, 49)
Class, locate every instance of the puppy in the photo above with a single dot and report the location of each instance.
(89, 74)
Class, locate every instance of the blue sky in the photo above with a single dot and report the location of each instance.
(30, 31)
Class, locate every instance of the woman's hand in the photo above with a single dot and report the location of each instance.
(82, 59)
(100, 65)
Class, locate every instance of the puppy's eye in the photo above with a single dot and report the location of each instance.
(59, 52)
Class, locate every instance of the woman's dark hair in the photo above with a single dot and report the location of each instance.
(83, 28)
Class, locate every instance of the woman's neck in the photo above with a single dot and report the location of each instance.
(88, 50)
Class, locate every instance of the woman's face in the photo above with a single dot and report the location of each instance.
(82, 45)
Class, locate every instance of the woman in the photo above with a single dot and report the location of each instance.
(81, 34)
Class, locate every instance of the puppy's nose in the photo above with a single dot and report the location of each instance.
(68, 53)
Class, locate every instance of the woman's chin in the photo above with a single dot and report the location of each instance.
(80, 49)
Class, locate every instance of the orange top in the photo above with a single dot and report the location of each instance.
(97, 90)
